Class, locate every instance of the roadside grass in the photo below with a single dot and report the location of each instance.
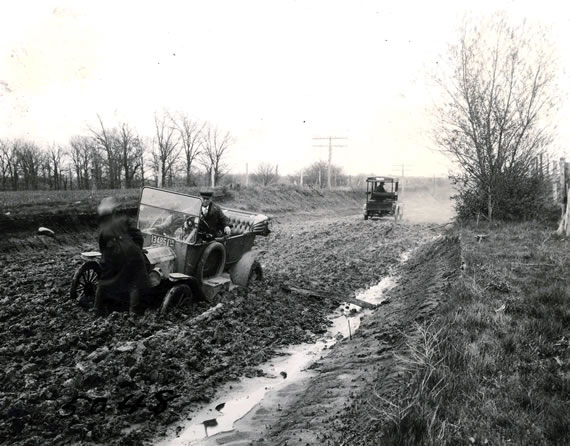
(493, 366)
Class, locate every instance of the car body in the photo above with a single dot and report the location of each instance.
(184, 261)
(382, 198)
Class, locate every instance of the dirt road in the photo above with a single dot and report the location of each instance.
(68, 378)
(337, 404)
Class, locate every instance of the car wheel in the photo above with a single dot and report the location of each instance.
(365, 216)
(247, 270)
(212, 261)
(84, 284)
(255, 273)
(177, 297)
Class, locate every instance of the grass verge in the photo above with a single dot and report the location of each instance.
(493, 366)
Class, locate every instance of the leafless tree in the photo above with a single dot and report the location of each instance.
(11, 154)
(54, 159)
(190, 133)
(166, 147)
(215, 145)
(82, 151)
(106, 140)
(317, 172)
(30, 159)
(4, 162)
(265, 174)
(495, 119)
(131, 148)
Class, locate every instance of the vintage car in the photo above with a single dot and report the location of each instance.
(184, 261)
(382, 198)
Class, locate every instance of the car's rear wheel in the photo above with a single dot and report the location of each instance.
(365, 216)
(255, 273)
(178, 297)
(84, 284)
(247, 270)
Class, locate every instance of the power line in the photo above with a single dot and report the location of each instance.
(330, 146)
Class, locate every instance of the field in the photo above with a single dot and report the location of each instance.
(470, 348)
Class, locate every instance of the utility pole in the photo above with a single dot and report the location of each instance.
(403, 172)
(330, 146)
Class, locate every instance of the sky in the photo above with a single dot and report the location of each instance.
(275, 74)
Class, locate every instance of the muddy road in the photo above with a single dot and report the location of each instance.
(67, 377)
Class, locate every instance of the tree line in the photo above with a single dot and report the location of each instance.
(111, 157)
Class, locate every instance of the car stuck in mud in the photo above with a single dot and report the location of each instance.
(185, 259)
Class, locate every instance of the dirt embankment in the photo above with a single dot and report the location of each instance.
(71, 220)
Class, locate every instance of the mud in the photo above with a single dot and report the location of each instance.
(68, 378)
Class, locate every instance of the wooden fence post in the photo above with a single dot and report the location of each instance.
(564, 227)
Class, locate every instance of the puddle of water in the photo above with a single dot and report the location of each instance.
(375, 294)
(236, 400)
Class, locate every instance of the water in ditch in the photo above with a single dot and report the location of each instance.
(290, 366)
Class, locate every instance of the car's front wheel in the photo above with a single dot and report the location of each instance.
(84, 284)
(177, 297)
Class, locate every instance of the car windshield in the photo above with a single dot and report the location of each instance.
(164, 211)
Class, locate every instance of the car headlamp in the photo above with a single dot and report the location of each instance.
(155, 277)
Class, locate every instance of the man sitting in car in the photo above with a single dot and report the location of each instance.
(213, 221)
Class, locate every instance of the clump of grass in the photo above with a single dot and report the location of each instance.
(412, 417)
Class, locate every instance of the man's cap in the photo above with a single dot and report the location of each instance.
(206, 193)
(107, 205)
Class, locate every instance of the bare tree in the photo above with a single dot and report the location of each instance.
(106, 140)
(166, 148)
(190, 133)
(54, 157)
(131, 148)
(316, 173)
(11, 154)
(82, 151)
(495, 119)
(30, 159)
(265, 174)
(215, 145)
(4, 161)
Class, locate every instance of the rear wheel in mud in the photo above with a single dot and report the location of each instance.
(247, 270)
(212, 261)
(84, 284)
(256, 273)
(179, 297)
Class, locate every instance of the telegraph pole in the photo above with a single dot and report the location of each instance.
(330, 146)
(403, 170)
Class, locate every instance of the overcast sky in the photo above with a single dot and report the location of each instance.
(275, 74)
